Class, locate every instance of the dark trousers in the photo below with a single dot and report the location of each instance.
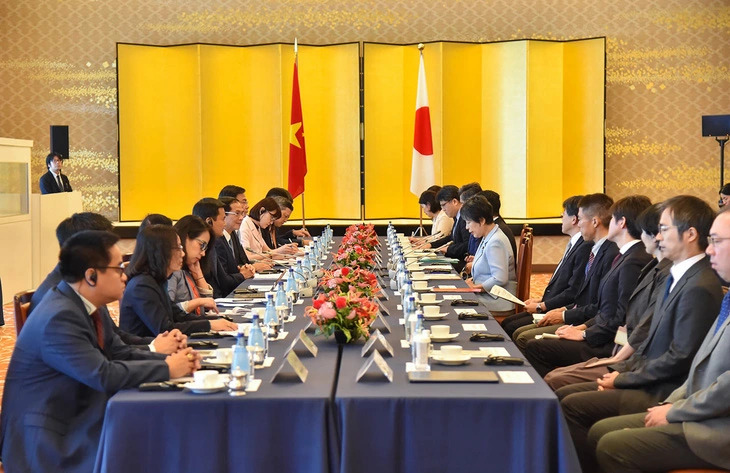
(624, 445)
(547, 354)
(583, 405)
(515, 321)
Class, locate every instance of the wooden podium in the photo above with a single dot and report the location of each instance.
(47, 211)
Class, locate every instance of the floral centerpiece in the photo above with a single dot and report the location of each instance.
(349, 314)
(362, 235)
(343, 279)
(355, 255)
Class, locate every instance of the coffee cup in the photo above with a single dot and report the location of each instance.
(420, 285)
(428, 297)
(440, 331)
(206, 378)
(431, 310)
(223, 355)
(451, 351)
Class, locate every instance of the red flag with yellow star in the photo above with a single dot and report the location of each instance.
(297, 152)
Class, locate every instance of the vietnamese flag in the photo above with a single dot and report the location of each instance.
(422, 173)
(297, 152)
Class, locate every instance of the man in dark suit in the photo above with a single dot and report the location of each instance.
(448, 198)
(168, 342)
(599, 322)
(53, 181)
(229, 251)
(686, 310)
(67, 362)
(689, 430)
(594, 218)
(568, 276)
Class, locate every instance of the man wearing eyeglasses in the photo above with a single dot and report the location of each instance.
(685, 309)
(68, 362)
(228, 248)
(53, 181)
(690, 428)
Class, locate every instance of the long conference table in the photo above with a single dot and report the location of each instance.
(333, 423)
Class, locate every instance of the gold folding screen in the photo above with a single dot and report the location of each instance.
(524, 118)
(197, 117)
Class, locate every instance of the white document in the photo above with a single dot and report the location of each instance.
(261, 287)
(443, 286)
(452, 297)
(474, 327)
(515, 377)
(266, 277)
(493, 351)
(503, 293)
(465, 311)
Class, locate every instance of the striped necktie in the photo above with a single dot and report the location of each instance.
(724, 311)
(590, 262)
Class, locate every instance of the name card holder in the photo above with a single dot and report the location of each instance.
(383, 368)
(303, 339)
(384, 325)
(310, 327)
(377, 339)
(296, 364)
(383, 310)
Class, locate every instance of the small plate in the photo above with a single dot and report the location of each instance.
(463, 359)
(439, 316)
(192, 387)
(447, 338)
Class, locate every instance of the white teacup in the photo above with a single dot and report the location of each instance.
(223, 355)
(451, 351)
(420, 284)
(428, 297)
(440, 331)
(206, 378)
(431, 310)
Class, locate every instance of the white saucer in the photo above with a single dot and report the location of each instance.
(203, 390)
(447, 338)
(433, 302)
(439, 316)
(460, 360)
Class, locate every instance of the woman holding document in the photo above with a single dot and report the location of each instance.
(494, 263)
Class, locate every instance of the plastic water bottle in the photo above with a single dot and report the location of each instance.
(406, 291)
(240, 355)
(420, 344)
(271, 320)
(409, 313)
(256, 342)
(291, 282)
(416, 333)
(280, 294)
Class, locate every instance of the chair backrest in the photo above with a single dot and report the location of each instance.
(524, 267)
(21, 303)
(526, 230)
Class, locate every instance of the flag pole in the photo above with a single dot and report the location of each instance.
(420, 231)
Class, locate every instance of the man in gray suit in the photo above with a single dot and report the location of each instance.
(690, 428)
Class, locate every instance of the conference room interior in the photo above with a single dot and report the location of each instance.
(154, 107)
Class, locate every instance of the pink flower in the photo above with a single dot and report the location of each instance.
(352, 314)
(326, 311)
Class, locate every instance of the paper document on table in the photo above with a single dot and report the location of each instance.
(266, 276)
(494, 351)
(503, 293)
(515, 377)
(260, 287)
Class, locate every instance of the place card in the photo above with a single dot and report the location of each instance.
(379, 318)
(494, 351)
(474, 327)
(310, 326)
(452, 297)
(377, 359)
(383, 310)
(296, 364)
(303, 339)
(411, 367)
(377, 338)
(405, 344)
(515, 377)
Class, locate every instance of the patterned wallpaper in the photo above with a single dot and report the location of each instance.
(666, 66)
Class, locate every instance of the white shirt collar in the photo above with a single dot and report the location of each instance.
(88, 305)
(597, 246)
(678, 270)
(227, 235)
(574, 239)
(626, 246)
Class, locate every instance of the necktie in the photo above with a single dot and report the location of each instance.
(60, 184)
(560, 263)
(590, 262)
(724, 311)
(230, 245)
(193, 290)
(670, 281)
(615, 260)
(96, 318)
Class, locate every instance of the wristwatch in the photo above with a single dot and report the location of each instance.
(584, 334)
(539, 309)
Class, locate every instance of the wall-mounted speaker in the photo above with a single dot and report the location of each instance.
(59, 140)
(715, 125)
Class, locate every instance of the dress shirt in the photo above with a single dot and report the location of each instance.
(442, 223)
(626, 246)
(678, 269)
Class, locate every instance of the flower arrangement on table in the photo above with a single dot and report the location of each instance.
(349, 313)
(346, 278)
(355, 255)
(363, 235)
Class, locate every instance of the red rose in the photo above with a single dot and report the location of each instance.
(317, 304)
(345, 271)
(340, 302)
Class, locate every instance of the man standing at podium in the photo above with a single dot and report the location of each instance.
(53, 181)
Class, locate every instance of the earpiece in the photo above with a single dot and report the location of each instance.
(91, 281)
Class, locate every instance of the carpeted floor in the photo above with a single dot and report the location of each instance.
(7, 332)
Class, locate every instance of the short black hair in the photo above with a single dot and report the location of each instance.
(435, 189)
(153, 252)
(429, 199)
(597, 205)
(447, 194)
(207, 207)
(629, 209)
(469, 190)
(689, 211)
(155, 219)
(190, 227)
(279, 191)
(231, 191)
(570, 205)
(494, 200)
(283, 202)
(50, 157)
(477, 208)
(725, 190)
(648, 220)
(86, 249)
(227, 201)
(79, 222)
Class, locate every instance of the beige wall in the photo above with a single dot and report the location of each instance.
(666, 66)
